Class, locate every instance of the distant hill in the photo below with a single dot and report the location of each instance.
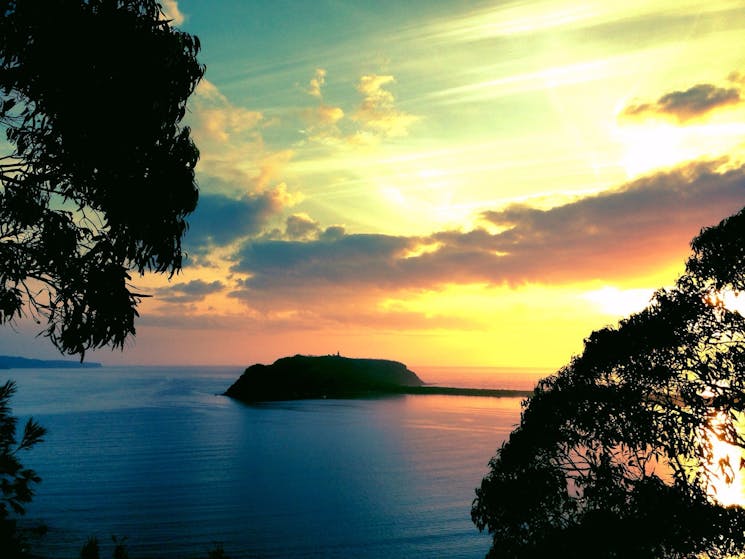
(14, 362)
(333, 376)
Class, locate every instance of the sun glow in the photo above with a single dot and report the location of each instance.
(734, 301)
(652, 147)
(727, 486)
(619, 302)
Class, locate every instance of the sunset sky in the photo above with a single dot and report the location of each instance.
(441, 182)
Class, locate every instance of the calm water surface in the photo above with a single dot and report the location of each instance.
(156, 455)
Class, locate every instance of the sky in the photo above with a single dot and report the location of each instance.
(443, 183)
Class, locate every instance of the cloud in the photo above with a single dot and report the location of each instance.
(328, 115)
(271, 167)
(374, 119)
(220, 220)
(693, 103)
(234, 158)
(171, 12)
(317, 82)
(322, 120)
(230, 141)
(634, 229)
(302, 227)
(216, 119)
(377, 113)
(221, 124)
(322, 124)
(191, 292)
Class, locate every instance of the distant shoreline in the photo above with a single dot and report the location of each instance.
(450, 391)
(15, 362)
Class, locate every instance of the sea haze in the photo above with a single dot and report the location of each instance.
(158, 456)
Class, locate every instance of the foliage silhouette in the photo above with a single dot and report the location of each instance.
(615, 454)
(217, 552)
(16, 482)
(99, 176)
(90, 549)
(120, 547)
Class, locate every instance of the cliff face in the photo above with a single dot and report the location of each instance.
(328, 376)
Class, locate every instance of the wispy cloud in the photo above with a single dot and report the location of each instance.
(523, 82)
(510, 19)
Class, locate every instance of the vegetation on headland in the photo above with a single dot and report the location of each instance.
(623, 451)
(334, 376)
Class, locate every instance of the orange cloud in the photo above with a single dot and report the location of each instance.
(376, 117)
(328, 115)
(323, 119)
(323, 123)
(317, 82)
(216, 118)
(271, 167)
(234, 161)
(377, 113)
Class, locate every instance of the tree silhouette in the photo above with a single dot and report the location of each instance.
(96, 181)
(615, 454)
(98, 177)
(16, 482)
(90, 549)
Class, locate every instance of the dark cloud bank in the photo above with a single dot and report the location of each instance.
(190, 292)
(220, 220)
(635, 229)
(690, 104)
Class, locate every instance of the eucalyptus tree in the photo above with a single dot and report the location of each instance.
(96, 181)
(97, 176)
(619, 454)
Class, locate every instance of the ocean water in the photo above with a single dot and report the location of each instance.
(156, 455)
